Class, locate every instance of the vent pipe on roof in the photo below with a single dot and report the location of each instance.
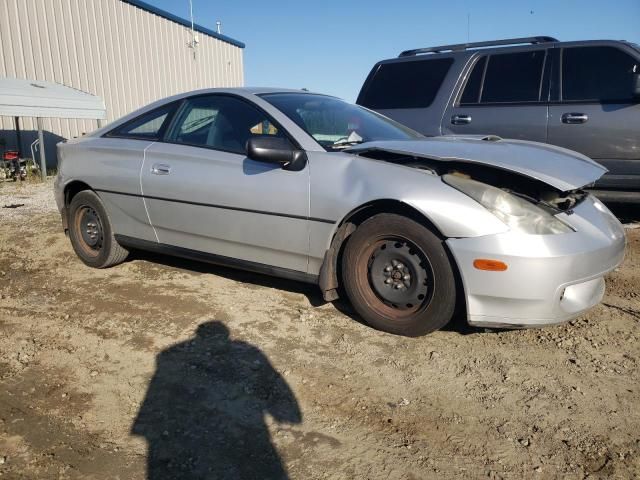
(194, 38)
(219, 27)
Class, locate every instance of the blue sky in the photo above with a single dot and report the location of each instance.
(330, 45)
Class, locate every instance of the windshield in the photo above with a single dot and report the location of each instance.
(336, 124)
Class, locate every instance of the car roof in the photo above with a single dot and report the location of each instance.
(467, 50)
(247, 90)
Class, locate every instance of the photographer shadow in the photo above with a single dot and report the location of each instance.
(203, 415)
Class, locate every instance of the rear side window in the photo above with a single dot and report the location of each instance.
(412, 84)
(597, 74)
(513, 77)
(148, 126)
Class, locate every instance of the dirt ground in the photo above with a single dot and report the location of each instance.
(204, 372)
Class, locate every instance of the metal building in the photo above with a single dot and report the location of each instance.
(125, 51)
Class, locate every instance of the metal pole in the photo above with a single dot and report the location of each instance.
(43, 158)
(18, 136)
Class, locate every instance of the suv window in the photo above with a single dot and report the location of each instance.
(597, 74)
(220, 122)
(513, 77)
(472, 90)
(412, 84)
(148, 126)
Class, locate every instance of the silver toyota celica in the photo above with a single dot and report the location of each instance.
(309, 187)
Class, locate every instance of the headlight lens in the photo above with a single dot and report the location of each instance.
(517, 213)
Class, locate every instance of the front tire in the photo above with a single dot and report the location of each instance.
(398, 276)
(91, 233)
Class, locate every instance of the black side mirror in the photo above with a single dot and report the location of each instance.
(276, 150)
(636, 86)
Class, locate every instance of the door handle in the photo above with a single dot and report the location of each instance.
(461, 119)
(573, 118)
(161, 169)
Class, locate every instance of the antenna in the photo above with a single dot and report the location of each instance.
(468, 27)
(194, 38)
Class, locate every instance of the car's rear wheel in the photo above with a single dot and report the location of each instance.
(398, 276)
(91, 234)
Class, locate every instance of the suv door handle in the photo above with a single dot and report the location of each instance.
(161, 169)
(461, 119)
(573, 118)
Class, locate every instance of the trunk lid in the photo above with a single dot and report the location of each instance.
(563, 169)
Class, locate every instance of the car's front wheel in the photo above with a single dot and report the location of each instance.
(398, 276)
(91, 234)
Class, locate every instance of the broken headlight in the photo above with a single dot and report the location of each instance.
(517, 213)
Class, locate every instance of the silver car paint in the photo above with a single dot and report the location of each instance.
(341, 182)
(550, 278)
(546, 163)
(228, 179)
(105, 164)
(311, 204)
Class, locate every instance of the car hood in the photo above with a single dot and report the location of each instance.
(561, 168)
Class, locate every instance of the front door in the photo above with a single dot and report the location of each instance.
(597, 114)
(505, 95)
(204, 194)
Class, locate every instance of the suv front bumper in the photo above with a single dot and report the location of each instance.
(550, 279)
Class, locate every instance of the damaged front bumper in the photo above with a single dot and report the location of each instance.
(550, 279)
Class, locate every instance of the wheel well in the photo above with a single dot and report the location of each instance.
(72, 189)
(368, 210)
(330, 272)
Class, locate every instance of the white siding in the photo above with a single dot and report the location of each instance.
(128, 56)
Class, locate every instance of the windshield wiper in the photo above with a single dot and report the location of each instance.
(352, 139)
(346, 143)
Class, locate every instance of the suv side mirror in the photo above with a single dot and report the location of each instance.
(276, 150)
(635, 92)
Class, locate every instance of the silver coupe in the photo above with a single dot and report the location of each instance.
(309, 187)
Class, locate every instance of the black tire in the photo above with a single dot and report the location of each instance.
(91, 234)
(398, 276)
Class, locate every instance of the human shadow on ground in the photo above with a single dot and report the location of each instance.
(203, 415)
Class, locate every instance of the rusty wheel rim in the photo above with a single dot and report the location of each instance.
(89, 230)
(396, 277)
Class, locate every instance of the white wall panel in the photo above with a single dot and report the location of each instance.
(127, 55)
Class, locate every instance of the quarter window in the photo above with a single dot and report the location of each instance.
(148, 126)
(220, 122)
(406, 84)
(513, 77)
(597, 74)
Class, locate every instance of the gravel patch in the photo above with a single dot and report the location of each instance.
(19, 200)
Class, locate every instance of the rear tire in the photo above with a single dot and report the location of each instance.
(398, 276)
(91, 233)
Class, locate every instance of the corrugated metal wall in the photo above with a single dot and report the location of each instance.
(128, 56)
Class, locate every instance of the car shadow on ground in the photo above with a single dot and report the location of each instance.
(626, 212)
(313, 294)
(203, 415)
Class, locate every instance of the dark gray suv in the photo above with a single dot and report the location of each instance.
(584, 96)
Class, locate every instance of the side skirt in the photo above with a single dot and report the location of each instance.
(216, 259)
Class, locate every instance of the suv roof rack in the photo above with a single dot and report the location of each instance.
(465, 46)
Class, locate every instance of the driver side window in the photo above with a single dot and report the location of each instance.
(221, 123)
